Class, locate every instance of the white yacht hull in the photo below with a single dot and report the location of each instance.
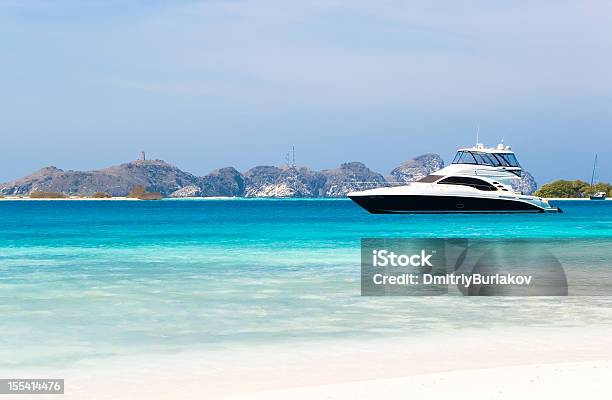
(424, 204)
(431, 198)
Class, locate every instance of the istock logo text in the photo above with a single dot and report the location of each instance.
(385, 258)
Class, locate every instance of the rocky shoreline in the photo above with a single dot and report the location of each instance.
(261, 181)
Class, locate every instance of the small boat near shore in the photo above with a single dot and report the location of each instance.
(596, 195)
(479, 180)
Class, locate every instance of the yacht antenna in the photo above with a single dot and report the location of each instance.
(478, 144)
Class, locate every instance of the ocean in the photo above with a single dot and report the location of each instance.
(92, 280)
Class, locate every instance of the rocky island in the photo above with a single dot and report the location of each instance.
(158, 176)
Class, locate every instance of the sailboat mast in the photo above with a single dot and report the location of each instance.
(593, 174)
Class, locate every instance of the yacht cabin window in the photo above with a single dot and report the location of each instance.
(467, 181)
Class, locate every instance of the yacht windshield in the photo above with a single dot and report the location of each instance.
(482, 158)
(509, 158)
(464, 157)
(486, 159)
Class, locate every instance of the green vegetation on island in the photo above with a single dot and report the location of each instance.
(572, 189)
(139, 192)
(39, 194)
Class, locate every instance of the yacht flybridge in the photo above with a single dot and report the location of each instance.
(479, 180)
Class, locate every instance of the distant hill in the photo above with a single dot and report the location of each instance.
(526, 184)
(349, 177)
(270, 181)
(416, 168)
(119, 180)
(260, 181)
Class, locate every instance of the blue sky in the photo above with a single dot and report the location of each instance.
(207, 84)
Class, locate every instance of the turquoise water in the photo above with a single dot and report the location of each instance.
(85, 280)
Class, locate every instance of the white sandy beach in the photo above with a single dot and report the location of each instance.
(476, 364)
(74, 198)
(574, 198)
(539, 381)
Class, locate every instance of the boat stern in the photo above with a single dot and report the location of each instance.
(547, 207)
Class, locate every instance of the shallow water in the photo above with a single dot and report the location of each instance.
(81, 280)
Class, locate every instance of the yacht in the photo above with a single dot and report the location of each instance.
(479, 180)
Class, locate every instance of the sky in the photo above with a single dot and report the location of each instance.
(207, 84)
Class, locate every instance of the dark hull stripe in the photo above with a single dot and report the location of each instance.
(410, 204)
